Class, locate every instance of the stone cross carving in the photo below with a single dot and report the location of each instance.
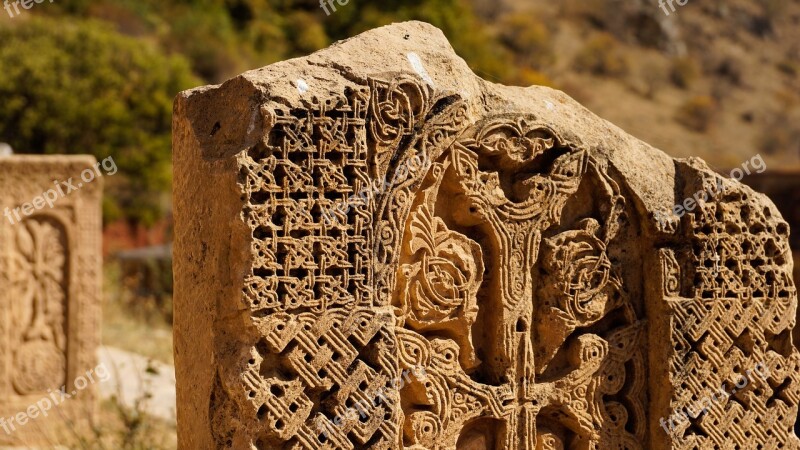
(376, 249)
(50, 269)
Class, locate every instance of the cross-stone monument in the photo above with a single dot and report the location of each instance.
(377, 249)
(50, 283)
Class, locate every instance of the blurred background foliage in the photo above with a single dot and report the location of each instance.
(99, 76)
(103, 81)
(81, 87)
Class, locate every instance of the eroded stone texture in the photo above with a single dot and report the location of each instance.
(50, 269)
(782, 186)
(509, 285)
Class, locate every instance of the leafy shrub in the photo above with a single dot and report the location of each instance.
(530, 77)
(780, 133)
(731, 69)
(306, 32)
(781, 140)
(652, 77)
(74, 84)
(529, 38)
(684, 72)
(208, 37)
(602, 56)
(80, 87)
(697, 113)
(789, 67)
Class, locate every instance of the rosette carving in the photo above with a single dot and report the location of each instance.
(581, 272)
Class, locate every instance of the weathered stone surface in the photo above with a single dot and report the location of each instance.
(782, 186)
(50, 282)
(513, 283)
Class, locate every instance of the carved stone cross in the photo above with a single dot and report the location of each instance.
(50, 288)
(516, 291)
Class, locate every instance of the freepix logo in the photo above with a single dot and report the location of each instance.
(61, 190)
(325, 4)
(12, 7)
(690, 203)
(671, 3)
(99, 374)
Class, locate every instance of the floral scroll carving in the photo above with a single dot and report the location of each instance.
(504, 190)
(438, 292)
(505, 273)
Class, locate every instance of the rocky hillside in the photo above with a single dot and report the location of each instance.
(716, 79)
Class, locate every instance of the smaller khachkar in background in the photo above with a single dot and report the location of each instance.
(50, 275)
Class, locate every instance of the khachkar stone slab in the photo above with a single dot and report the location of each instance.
(50, 282)
(377, 249)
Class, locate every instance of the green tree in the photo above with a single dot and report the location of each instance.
(99, 76)
(78, 86)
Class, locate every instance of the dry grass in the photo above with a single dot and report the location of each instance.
(126, 328)
(697, 113)
(115, 426)
(602, 56)
(111, 428)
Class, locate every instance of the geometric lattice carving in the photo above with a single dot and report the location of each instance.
(732, 303)
(391, 255)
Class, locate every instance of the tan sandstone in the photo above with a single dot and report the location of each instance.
(377, 249)
(50, 280)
